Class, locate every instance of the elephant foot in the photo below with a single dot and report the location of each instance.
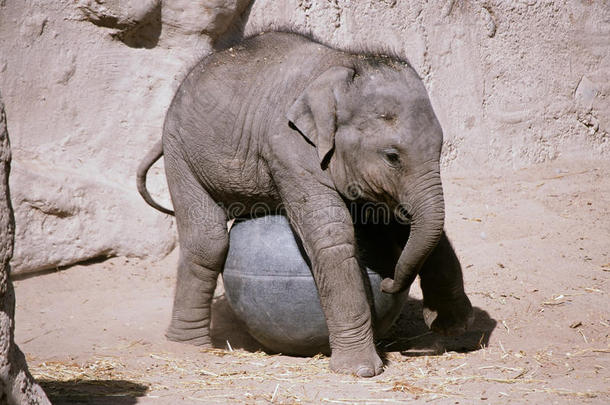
(193, 333)
(363, 363)
(448, 316)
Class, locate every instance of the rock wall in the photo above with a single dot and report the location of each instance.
(86, 84)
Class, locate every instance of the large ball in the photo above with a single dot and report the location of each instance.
(269, 285)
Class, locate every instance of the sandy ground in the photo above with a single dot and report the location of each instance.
(535, 249)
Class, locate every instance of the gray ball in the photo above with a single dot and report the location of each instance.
(269, 285)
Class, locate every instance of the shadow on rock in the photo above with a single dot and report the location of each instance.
(103, 392)
(146, 35)
(411, 336)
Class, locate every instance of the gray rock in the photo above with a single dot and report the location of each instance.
(211, 17)
(118, 14)
(586, 91)
(64, 218)
(16, 383)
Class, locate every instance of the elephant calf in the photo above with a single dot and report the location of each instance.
(284, 121)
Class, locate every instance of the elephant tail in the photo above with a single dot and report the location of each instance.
(151, 157)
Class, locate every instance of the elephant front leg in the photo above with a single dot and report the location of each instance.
(325, 228)
(447, 309)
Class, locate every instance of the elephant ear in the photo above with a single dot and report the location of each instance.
(314, 113)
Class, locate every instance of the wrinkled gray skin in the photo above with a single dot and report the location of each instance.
(285, 121)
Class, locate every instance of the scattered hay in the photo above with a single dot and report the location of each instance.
(566, 392)
(403, 386)
(98, 369)
(350, 401)
(239, 376)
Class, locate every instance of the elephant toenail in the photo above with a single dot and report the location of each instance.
(364, 371)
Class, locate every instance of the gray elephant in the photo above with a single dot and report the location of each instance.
(285, 122)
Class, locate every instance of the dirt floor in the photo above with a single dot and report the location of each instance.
(535, 250)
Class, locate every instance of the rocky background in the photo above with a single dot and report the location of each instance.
(86, 84)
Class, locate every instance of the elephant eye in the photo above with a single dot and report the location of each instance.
(391, 157)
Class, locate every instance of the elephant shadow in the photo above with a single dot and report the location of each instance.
(228, 331)
(409, 334)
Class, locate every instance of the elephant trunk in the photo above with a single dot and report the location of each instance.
(427, 209)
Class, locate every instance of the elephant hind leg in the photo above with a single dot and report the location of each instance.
(204, 242)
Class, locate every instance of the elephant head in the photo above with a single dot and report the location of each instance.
(373, 126)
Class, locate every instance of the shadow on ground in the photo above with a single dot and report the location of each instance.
(228, 331)
(102, 392)
(409, 335)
